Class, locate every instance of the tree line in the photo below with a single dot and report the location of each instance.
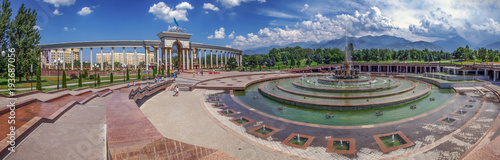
(297, 54)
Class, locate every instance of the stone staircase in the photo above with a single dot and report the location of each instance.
(494, 88)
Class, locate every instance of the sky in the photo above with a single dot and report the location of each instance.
(246, 24)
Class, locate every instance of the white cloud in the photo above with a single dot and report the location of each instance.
(277, 14)
(210, 6)
(319, 28)
(304, 8)
(219, 34)
(184, 6)
(56, 12)
(58, 3)
(162, 11)
(85, 11)
(37, 27)
(491, 26)
(231, 36)
(435, 24)
(69, 29)
(233, 3)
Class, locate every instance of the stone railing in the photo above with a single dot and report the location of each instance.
(142, 92)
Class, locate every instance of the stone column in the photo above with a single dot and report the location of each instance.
(205, 66)
(91, 61)
(199, 58)
(136, 58)
(64, 59)
(146, 60)
(81, 58)
(170, 57)
(216, 59)
(112, 58)
(102, 60)
(192, 58)
(157, 59)
(225, 57)
(183, 59)
(211, 62)
(72, 58)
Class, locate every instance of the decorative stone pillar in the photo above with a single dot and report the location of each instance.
(146, 59)
(183, 59)
(91, 60)
(102, 60)
(136, 58)
(216, 59)
(170, 57)
(205, 58)
(81, 58)
(211, 62)
(112, 58)
(72, 58)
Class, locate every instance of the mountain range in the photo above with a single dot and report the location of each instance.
(383, 42)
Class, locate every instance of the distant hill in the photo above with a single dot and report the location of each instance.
(366, 42)
(453, 43)
(494, 46)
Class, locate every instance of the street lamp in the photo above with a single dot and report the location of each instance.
(124, 66)
(96, 67)
(31, 73)
(246, 66)
(59, 62)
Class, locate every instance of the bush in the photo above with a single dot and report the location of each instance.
(111, 77)
(73, 76)
(91, 77)
(38, 79)
(80, 80)
(138, 73)
(98, 80)
(128, 78)
(86, 74)
(64, 79)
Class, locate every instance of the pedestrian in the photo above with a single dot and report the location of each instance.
(134, 83)
(176, 91)
(193, 74)
(201, 72)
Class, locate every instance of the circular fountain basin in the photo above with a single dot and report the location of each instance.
(330, 80)
(349, 108)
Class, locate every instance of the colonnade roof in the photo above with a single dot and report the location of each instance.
(104, 44)
(213, 47)
(131, 43)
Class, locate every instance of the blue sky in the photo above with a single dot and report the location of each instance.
(260, 23)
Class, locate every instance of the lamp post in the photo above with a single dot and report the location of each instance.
(246, 66)
(59, 63)
(96, 67)
(124, 66)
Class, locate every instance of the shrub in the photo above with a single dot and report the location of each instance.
(79, 80)
(64, 79)
(111, 78)
(73, 76)
(91, 77)
(86, 74)
(138, 74)
(98, 80)
(38, 79)
(128, 78)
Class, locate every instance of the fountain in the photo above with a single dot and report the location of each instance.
(341, 84)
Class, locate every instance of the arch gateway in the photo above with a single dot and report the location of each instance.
(189, 54)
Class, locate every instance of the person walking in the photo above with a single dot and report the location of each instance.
(176, 91)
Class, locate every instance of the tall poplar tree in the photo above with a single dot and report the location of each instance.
(5, 14)
(24, 38)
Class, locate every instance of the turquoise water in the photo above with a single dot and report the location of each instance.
(344, 118)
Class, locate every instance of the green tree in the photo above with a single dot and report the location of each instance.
(4, 36)
(162, 72)
(24, 38)
(154, 72)
(111, 77)
(98, 79)
(138, 74)
(298, 63)
(64, 79)
(168, 71)
(128, 78)
(232, 63)
(38, 79)
(86, 74)
(80, 79)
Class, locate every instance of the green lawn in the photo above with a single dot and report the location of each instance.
(264, 132)
(387, 140)
(296, 142)
(240, 121)
(226, 112)
(337, 146)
